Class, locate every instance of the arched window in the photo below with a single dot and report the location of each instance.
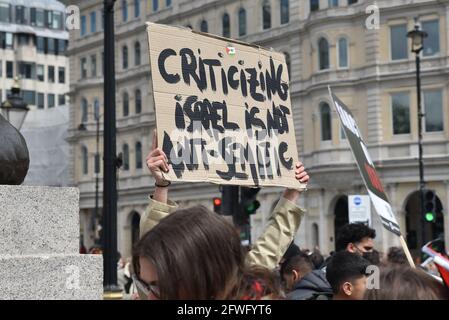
(138, 101)
(136, 8)
(343, 53)
(288, 63)
(125, 57)
(203, 26)
(266, 14)
(85, 159)
(323, 53)
(285, 11)
(242, 22)
(226, 26)
(125, 157)
(326, 122)
(96, 109)
(155, 5)
(138, 155)
(137, 53)
(315, 235)
(84, 110)
(125, 104)
(124, 11)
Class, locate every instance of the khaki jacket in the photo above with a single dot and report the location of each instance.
(269, 248)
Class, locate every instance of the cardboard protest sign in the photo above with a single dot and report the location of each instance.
(223, 110)
(366, 166)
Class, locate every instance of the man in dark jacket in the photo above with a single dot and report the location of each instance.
(313, 286)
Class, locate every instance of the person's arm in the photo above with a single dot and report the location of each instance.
(281, 228)
(159, 206)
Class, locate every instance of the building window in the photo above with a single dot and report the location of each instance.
(326, 122)
(29, 97)
(138, 101)
(288, 63)
(20, 15)
(62, 46)
(9, 69)
(137, 59)
(84, 110)
(40, 101)
(266, 15)
(323, 53)
(136, 8)
(97, 163)
(37, 17)
(61, 99)
(285, 11)
(83, 65)
(49, 18)
(57, 20)
(226, 24)
(401, 113)
(96, 109)
(83, 26)
(124, 11)
(93, 65)
(23, 39)
(398, 42)
(51, 47)
(352, 2)
(26, 70)
(40, 72)
(433, 106)
(6, 40)
(50, 100)
(125, 157)
(125, 104)
(51, 74)
(61, 74)
(343, 53)
(5, 12)
(203, 26)
(167, 3)
(333, 3)
(242, 22)
(40, 44)
(315, 235)
(314, 5)
(85, 157)
(155, 5)
(125, 57)
(432, 42)
(93, 22)
(138, 155)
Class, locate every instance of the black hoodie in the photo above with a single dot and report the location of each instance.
(313, 286)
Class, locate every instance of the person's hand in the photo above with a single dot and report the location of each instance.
(157, 162)
(300, 175)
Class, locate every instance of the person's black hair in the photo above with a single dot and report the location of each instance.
(292, 250)
(345, 266)
(353, 233)
(301, 263)
(317, 258)
(396, 255)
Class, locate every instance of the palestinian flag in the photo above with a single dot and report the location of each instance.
(441, 260)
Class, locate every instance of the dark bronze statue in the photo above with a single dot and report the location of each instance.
(14, 156)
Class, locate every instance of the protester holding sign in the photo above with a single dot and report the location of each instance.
(266, 252)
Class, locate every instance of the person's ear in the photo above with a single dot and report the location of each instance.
(351, 248)
(347, 288)
(295, 275)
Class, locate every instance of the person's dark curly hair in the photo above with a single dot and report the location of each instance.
(353, 233)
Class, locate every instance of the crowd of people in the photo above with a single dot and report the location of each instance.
(193, 253)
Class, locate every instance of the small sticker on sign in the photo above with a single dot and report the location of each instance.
(230, 50)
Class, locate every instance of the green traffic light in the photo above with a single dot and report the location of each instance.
(429, 217)
(252, 207)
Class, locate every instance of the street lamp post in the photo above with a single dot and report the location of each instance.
(111, 289)
(417, 36)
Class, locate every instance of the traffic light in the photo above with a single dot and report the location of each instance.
(248, 200)
(217, 205)
(430, 206)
